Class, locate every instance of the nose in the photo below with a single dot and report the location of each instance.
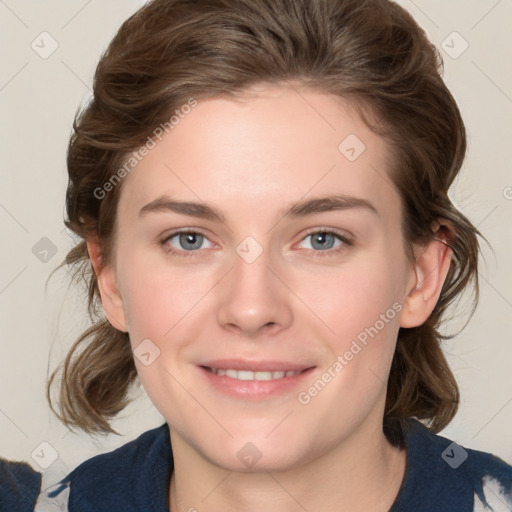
(253, 300)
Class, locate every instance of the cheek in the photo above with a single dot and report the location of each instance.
(362, 310)
(361, 306)
(157, 297)
(352, 298)
(161, 304)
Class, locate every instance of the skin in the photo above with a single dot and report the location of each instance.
(296, 302)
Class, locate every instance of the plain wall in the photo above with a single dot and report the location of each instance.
(38, 99)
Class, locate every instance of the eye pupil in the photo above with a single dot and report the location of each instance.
(322, 238)
(194, 239)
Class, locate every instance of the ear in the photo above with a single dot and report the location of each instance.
(111, 299)
(430, 270)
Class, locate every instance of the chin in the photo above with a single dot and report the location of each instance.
(248, 453)
(251, 458)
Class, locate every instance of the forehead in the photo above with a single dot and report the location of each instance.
(270, 148)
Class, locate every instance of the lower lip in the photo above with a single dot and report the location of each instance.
(255, 389)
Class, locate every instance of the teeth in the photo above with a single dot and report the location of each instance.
(248, 375)
(243, 375)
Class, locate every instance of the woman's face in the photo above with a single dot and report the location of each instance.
(265, 336)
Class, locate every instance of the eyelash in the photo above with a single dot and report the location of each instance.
(347, 242)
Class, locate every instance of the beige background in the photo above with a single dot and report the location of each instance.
(38, 99)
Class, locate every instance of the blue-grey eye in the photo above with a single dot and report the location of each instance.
(323, 240)
(188, 241)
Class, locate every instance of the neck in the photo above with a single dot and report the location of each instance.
(361, 473)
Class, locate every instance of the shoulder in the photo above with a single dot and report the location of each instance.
(444, 475)
(19, 486)
(132, 477)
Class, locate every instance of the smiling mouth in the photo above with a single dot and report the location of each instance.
(250, 375)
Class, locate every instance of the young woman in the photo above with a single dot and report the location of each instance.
(261, 189)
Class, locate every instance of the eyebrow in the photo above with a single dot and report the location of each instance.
(299, 209)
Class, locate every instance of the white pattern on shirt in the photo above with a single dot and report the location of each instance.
(496, 499)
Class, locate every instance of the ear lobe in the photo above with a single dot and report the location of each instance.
(431, 268)
(111, 299)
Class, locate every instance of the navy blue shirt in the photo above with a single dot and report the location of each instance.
(440, 476)
(19, 486)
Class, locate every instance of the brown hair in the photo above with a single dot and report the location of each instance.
(370, 52)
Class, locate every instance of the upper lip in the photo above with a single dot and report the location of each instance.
(255, 366)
